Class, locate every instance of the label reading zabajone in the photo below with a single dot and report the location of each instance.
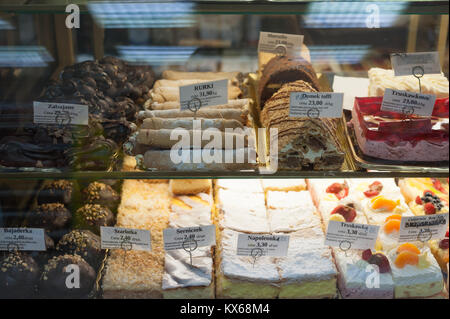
(196, 96)
(125, 238)
(189, 238)
(60, 113)
(316, 105)
(351, 236)
(24, 239)
(262, 245)
(418, 63)
(423, 228)
(280, 43)
(408, 103)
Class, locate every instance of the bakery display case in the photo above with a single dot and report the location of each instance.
(219, 149)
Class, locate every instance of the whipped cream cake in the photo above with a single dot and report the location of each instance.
(245, 185)
(294, 184)
(327, 189)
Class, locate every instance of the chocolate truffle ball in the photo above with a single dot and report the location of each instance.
(59, 191)
(92, 216)
(52, 217)
(102, 194)
(83, 243)
(67, 276)
(19, 274)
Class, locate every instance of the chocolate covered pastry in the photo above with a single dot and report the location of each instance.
(102, 194)
(52, 217)
(41, 257)
(302, 142)
(82, 243)
(59, 191)
(93, 216)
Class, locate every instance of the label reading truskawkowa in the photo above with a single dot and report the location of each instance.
(351, 236)
(316, 105)
(408, 103)
(418, 63)
(262, 245)
(125, 238)
(60, 113)
(280, 43)
(423, 228)
(189, 238)
(196, 96)
(22, 239)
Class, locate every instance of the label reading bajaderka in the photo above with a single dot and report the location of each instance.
(418, 63)
(195, 96)
(125, 238)
(351, 236)
(189, 238)
(254, 245)
(22, 239)
(60, 113)
(408, 103)
(316, 105)
(280, 43)
(423, 228)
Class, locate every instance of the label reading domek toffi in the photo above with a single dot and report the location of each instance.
(316, 105)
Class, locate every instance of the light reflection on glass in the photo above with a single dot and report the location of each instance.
(5, 25)
(24, 56)
(342, 54)
(155, 55)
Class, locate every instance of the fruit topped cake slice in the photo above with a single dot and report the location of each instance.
(415, 271)
(286, 185)
(346, 210)
(327, 189)
(439, 248)
(380, 207)
(364, 188)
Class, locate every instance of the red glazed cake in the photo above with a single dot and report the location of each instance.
(393, 136)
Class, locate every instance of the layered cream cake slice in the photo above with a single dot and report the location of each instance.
(190, 186)
(365, 188)
(380, 207)
(291, 211)
(415, 271)
(308, 271)
(346, 210)
(330, 189)
(240, 185)
(285, 185)
(242, 277)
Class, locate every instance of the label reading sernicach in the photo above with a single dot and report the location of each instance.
(280, 43)
(189, 238)
(125, 238)
(60, 113)
(22, 239)
(195, 96)
(408, 103)
(418, 63)
(351, 236)
(316, 104)
(423, 228)
(255, 245)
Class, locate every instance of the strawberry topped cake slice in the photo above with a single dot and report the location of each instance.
(327, 189)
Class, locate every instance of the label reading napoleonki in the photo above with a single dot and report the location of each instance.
(423, 228)
(125, 238)
(196, 96)
(408, 103)
(418, 63)
(316, 105)
(189, 238)
(351, 236)
(254, 245)
(24, 239)
(60, 113)
(280, 43)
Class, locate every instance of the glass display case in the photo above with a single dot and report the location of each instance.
(219, 149)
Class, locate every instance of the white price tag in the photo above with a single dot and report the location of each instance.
(189, 238)
(125, 238)
(316, 105)
(195, 96)
(351, 236)
(262, 245)
(423, 228)
(418, 63)
(408, 103)
(280, 43)
(26, 239)
(60, 113)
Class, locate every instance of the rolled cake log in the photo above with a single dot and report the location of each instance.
(227, 114)
(179, 75)
(161, 138)
(232, 104)
(162, 160)
(172, 94)
(156, 123)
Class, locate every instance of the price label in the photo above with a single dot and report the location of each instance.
(280, 43)
(423, 228)
(408, 103)
(417, 64)
(189, 238)
(316, 105)
(60, 113)
(23, 239)
(195, 96)
(125, 238)
(262, 245)
(351, 236)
